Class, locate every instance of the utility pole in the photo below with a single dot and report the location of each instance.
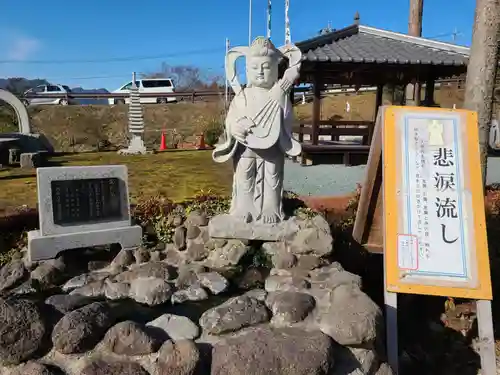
(250, 23)
(415, 29)
(481, 71)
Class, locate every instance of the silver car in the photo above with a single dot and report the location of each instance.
(65, 97)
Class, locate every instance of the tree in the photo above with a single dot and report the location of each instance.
(481, 71)
(187, 77)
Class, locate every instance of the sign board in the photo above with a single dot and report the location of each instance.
(434, 218)
(82, 207)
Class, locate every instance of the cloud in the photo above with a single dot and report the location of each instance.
(22, 47)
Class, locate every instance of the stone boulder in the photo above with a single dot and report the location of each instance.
(265, 351)
(312, 241)
(234, 314)
(158, 270)
(175, 327)
(35, 368)
(180, 358)
(213, 281)
(65, 303)
(151, 291)
(352, 318)
(130, 338)
(192, 293)
(12, 274)
(227, 256)
(81, 329)
(289, 307)
(22, 330)
(101, 367)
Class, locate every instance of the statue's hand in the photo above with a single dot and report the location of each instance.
(241, 128)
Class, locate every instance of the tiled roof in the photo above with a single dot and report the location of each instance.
(363, 44)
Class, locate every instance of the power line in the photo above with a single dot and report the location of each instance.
(114, 59)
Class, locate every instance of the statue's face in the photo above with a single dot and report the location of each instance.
(262, 71)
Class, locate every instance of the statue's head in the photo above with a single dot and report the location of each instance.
(262, 63)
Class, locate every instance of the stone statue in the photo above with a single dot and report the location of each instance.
(258, 130)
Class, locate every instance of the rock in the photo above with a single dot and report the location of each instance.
(312, 240)
(84, 279)
(252, 278)
(234, 314)
(197, 218)
(142, 255)
(355, 361)
(192, 232)
(156, 256)
(192, 293)
(176, 327)
(22, 330)
(180, 238)
(353, 319)
(12, 274)
(285, 284)
(123, 258)
(157, 270)
(320, 223)
(384, 369)
(215, 243)
(196, 251)
(114, 291)
(101, 367)
(47, 274)
(264, 351)
(96, 265)
(284, 260)
(35, 368)
(30, 286)
(174, 258)
(179, 358)
(130, 338)
(332, 276)
(94, 289)
(274, 248)
(65, 303)
(213, 281)
(289, 307)
(258, 294)
(187, 275)
(151, 291)
(204, 236)
(81, 329)
(227, 256)
(308, 262)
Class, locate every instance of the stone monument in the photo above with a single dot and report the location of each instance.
(136, 123)
(258, 134)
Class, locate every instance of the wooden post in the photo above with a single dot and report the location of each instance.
(429, 91)
(388, 94)
(316, 108)
(378, 103)
(481, 71)
(415, 29)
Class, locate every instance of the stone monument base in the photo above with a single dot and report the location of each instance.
(226, 226)
(41, 247)
(136, 147)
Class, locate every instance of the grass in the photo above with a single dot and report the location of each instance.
(174, 174)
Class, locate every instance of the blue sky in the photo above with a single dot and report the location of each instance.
(176, 32)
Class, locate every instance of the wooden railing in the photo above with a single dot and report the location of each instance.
(335, 129)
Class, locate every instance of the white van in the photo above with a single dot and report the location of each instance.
(148, 85)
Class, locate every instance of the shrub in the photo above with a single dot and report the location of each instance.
(212, 132)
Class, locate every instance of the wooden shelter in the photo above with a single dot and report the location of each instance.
(358, 56)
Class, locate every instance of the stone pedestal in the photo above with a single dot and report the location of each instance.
(136, 147)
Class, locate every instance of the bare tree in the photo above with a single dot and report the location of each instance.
(481, 71)
(186, 77)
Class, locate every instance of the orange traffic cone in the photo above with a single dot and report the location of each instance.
(163, 142)
(201, 145)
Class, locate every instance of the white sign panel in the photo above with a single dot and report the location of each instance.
(434, 201)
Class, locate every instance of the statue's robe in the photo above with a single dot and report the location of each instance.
(259, 160)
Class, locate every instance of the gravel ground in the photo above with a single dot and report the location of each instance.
(339, 179)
